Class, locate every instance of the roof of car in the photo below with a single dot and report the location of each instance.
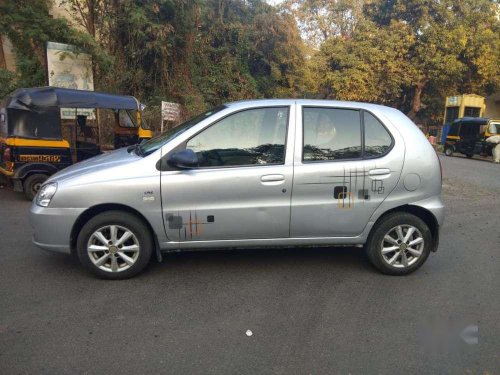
(44, 97)
(306, 102)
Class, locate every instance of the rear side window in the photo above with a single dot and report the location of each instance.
(331, 134)
(377, 139)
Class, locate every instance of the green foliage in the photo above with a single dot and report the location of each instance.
(371, 66)
(7, 82)
(29, 26)
(405, 53)
(198, 53)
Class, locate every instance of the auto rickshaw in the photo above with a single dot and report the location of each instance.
(468, 135)
(39, 138)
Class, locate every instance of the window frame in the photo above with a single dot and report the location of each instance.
(362, 132)
(391, 146)
(135, 124)
(183, 145)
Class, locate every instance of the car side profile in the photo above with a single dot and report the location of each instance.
(261, 173)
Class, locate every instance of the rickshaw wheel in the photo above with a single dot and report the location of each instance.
(32, 184)
(448, 151)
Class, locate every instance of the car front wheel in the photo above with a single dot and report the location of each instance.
(399, 244)
(115, 245)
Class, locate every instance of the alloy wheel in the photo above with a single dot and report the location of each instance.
(402, 246)
(113, 248)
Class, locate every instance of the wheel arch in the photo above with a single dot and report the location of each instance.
(28, 169)
(422, 213)
(100, 208)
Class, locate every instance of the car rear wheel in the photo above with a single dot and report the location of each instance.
(32, 184)
(115, 245)
(448, 151)
(399, 244)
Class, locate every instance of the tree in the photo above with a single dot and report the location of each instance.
(410, 54)
(320, 20)
(372, 66)
(443, 33)
(28, 24)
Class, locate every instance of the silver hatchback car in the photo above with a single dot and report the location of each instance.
(252, 174)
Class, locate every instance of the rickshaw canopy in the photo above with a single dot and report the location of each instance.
(38, 98)
(35, 112)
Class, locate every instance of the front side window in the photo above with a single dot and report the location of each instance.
(250, 137)
(331, 134)
(126, 119)
(377, 139)
(153, 144)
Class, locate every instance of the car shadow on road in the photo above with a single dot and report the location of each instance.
(332, 259)
(345, 259)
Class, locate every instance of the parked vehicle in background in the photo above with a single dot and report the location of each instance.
(468, 136)
(252, 174)
(32, 145)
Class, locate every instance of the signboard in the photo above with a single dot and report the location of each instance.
(68, 68)
(70, 113)
(170, 111)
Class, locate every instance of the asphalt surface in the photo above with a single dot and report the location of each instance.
(311, 311)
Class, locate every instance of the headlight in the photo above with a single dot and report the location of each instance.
(46, 193)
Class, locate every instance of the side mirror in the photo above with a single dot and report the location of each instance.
(185, 159)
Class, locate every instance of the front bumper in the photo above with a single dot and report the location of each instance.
(52, 227)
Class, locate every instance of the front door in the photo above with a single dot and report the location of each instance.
(242, 187)
(346, 164)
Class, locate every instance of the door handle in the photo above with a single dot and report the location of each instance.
(379, 172)
(272, 178)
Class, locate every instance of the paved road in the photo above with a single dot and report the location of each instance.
(311, 311)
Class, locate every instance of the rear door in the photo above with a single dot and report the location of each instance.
(346, 164)
(242, 187)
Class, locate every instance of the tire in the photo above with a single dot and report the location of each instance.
(32, 184)
(116, 264)
(469, 156)
(448, 151)
(377, 243)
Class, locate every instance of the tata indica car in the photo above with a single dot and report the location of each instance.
(265, 173)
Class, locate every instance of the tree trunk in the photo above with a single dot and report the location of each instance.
(416, 102)
(3, 63)
(91, 5)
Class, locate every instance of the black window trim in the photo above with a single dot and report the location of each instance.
(135, 123)
(391, 146)
(163, 166)
(362, 130)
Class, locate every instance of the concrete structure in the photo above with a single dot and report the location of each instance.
(7, 54)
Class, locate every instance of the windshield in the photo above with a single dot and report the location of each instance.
(155, 143)
(494, 128)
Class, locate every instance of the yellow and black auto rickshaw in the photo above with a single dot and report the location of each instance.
(43, 130)
(468, 136)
